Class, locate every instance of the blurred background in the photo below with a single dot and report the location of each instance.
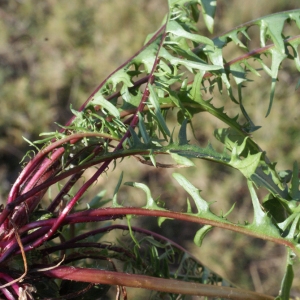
(55, 53)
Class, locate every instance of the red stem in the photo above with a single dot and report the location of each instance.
(103, 167)
(152, 283)
(112, 213)
(8, 279)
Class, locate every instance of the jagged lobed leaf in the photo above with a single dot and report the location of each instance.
(271, 28)
(193, 151)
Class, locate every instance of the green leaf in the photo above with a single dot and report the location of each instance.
(234, 36)
(215, 54)
(195, 12)
(181, 160)
(136, 142)
(143, 130)
(261, 179)
(259, 214)
(160, 220)
(230, 137)
(238, 73)
(295, 193)
(121, 76)
(294, 227)
(182, 137)
(175, 61)
(182, 48)
(272, 26)
(78, 114)
(267, 176)
(189, 207)
(201, 204)
(193, 151)
(293, 218)
(155, 103)
(274, 207)
(175, 28)
(134, 101)
(115, 201)
(152, 158)
(148, 55)
(261, 221)
(96, 201)
(196, 88)
(201, 233)
(287, 280)
(249, 164)
(110, 108)
(206, 105)
(151, 204)
(208, 12)
(277, 58)
(250, 68)
(128, 218)
(30, 143)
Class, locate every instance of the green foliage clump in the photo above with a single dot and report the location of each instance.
(152, 107)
